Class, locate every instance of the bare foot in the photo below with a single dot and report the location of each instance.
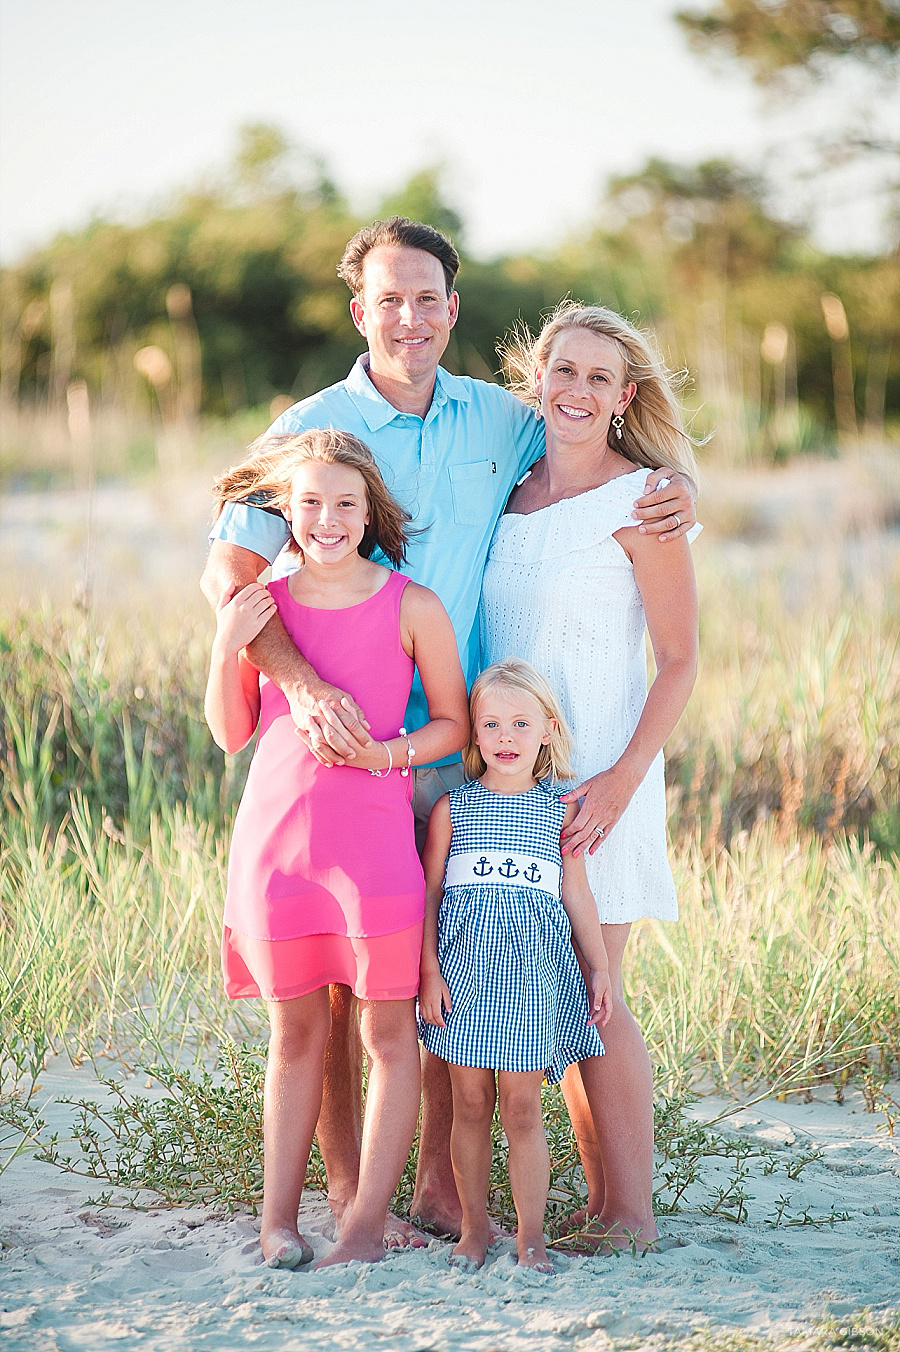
(534, 1256)
(472, 1248)
(443, 1219)
(399, 1234)
(351, 1250)
(462, 1263)
(285, 1248)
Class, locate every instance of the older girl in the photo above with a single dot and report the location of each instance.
(324, 884)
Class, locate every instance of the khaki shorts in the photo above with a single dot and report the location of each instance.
(431, 783)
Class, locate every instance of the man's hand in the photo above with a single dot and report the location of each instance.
(669, 505)
(330, 722)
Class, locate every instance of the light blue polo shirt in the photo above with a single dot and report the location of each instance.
(452, 470)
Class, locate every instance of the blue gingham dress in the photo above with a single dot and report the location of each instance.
(504, 940)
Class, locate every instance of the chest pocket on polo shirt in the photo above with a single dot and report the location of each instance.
(474, 492)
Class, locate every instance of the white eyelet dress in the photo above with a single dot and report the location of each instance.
(504, 940)
(559, 592)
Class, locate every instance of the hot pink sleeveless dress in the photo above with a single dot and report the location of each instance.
(324, 883)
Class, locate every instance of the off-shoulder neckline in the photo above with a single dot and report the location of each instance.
(575, 497)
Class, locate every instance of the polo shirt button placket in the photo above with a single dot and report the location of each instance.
(426, 457)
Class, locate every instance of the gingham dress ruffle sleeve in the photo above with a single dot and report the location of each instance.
(504, 939)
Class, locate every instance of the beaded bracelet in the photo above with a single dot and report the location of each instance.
(380, 774)
(410, 752)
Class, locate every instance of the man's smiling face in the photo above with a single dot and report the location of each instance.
(404, 313)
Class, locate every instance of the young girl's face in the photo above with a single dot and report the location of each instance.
(509, 729)
(328, 512)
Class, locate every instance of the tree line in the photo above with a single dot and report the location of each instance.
(229, 298)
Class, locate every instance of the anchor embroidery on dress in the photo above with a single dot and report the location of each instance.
(507, 869)
(482, 868)
(532, 873)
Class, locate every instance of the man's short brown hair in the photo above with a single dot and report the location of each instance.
(398, 231)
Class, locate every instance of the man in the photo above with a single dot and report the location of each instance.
(450, 449)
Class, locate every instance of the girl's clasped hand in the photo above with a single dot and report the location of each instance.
(241, 617)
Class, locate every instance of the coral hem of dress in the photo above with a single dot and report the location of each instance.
(375, 967)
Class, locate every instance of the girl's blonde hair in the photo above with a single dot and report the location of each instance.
(653, 434)
(553, 759)
(264, 479)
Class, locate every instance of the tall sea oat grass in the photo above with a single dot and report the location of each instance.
(116, 811)
(784, 968)
(796, 713)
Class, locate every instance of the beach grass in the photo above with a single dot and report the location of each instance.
(116, 808)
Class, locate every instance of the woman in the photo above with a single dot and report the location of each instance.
(570, 586)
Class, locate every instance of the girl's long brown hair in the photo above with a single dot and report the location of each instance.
(264, 479)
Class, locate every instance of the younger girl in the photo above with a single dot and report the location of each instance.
(324, 884)
(501, 989)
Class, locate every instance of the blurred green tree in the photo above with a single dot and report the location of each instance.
(421, 198)
(774, 36)
(696, 251)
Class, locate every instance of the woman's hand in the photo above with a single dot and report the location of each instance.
(241, 616)
(600, 991)
(605, 797)
(434, 998)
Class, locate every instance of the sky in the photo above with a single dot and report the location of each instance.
(108, 107)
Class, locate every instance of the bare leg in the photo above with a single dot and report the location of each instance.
(339, 1129)
(474, 1094)
(529, 1162)
(435, 1201)
(610, 1102)
(388, 1030)
(293, 1096)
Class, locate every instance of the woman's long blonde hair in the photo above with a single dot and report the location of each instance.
(553, 760)
(264, 479)
(653, 434)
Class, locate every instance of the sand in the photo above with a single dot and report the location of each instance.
(75, 1275)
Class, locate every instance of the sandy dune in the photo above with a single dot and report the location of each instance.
(74, 1275)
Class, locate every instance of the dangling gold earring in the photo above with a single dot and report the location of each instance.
(618, 423)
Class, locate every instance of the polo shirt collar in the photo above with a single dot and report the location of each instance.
(375, 409)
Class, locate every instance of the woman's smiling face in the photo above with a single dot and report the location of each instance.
(582, 386)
